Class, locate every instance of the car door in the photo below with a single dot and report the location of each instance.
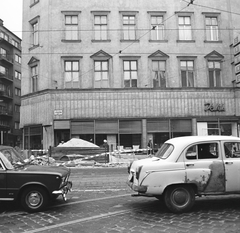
(204, 167)
(232, 165)
(3, 180)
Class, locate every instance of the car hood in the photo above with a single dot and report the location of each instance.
(62, 171)
(138, 163)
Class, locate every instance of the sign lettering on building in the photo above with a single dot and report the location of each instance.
(214, 107)
(57, 112)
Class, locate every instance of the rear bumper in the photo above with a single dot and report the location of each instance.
(64, 190)
(137, 188)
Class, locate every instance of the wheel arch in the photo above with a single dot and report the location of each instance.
(25, 186)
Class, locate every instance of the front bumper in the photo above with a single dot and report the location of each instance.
(137, 188)
(67, 187)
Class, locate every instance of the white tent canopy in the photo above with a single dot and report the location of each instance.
(77, 142)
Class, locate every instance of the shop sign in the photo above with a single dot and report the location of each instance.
(214, 107)
(57, 112)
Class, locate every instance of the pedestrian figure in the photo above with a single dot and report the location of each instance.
(150, 147)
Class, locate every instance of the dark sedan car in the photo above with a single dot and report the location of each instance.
(31, 185)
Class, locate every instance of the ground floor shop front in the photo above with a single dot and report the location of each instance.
(126, 133)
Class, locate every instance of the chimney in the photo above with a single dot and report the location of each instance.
(1, 22)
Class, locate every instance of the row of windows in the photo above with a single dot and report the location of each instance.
(5, 71)
(129, 26)
(6, 37)
(131, 74)
(4, 53)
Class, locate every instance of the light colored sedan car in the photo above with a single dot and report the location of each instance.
(186, 167)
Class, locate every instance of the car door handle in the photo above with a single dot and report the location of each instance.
(228, 163)
(190, 164)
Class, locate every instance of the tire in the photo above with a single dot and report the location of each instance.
(34, 199)
(179, 198)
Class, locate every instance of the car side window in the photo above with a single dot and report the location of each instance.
(203, 151)
(232, 149)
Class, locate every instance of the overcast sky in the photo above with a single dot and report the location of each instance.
(11, 14)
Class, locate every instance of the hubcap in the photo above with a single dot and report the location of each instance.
(34, 199)
(180, 197)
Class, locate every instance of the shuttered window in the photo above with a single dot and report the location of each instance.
(130, 127)
(106, 127)
(181, 126)
(83, 127)
(157, 126)
(61, 125)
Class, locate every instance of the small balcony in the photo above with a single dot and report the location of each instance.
(6, 77)
(4, 58)
(5, 95)
(5, 112)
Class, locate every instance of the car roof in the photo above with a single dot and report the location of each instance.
(186, 140)
(5, 147)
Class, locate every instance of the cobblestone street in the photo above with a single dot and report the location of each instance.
(101, 202)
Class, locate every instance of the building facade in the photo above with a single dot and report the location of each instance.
(127, 71)
(10, 87)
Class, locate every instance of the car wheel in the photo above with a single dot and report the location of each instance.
(34, 199)
(179, 199)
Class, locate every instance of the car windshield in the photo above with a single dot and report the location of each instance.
(11, 158)
(165, 150)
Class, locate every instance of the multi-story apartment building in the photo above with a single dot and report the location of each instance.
(127, 71)
(10, 87)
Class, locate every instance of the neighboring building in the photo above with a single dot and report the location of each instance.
(10, 87)
(127, 71)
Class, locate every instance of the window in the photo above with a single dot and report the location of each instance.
(71, 27)
(232, 149)
(130, 73)
(4, 36)
(3, 52)
(3, 70)
(17, 108)
(157, 26)
(202, 151)
(17, 91)
(129, 27)
(187, 73)
(16, 125)
(185, 29)
(211, 28)
(17, 75)
(71, 73)
(214, 72)
(34, 78)
(35, 33)
(15, 43)
(18, 59)
(101, 74)
(158, 73)
(100, 27)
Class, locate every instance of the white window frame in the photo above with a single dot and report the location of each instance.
(158, 28)
(34, 78)
(71, 32)
(129, 25)
(35, 23)
(73, 74)
(214, 69)
(130, 73)
(189, 83)
(100, 28)
(185, 29)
